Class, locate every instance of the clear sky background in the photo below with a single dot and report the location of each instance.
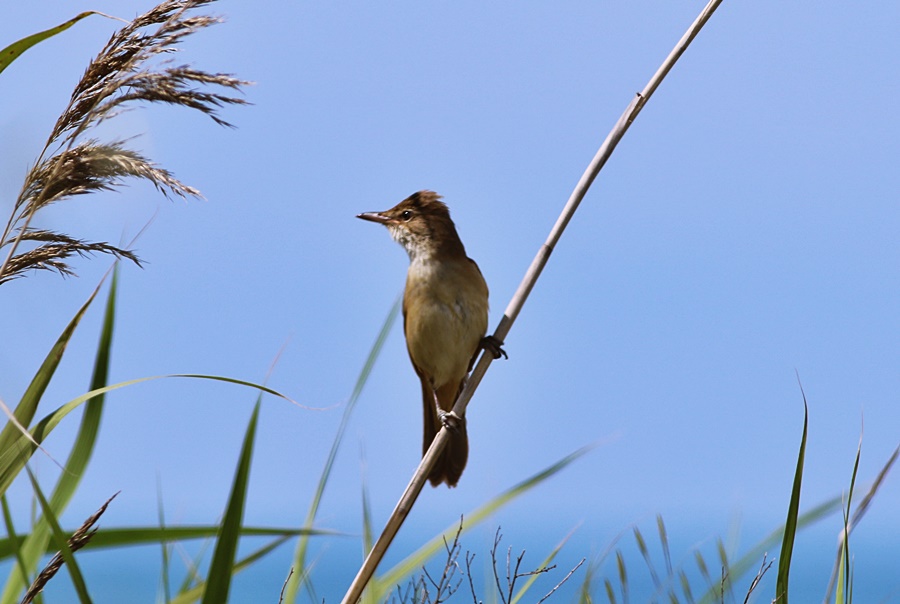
(746, 230)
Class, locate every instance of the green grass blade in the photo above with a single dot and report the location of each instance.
(12, 441)
(610, 593)
(839, 595)
(754, 555)
(704, 569)
(843, 595)
(12, 460)
(860, 511)
(61, 540)
(93, 410)
(12, 52)
(685, 587)
(192, 576)
(299, 564)
(396, 575)
(368, 540)
(222, 566)
(36, 543)
(664, 542)
(110, 538)
(367, 536)
(623, 574)
(790, 525)
(645, 553)
(597, 563)
(164, 545)
(14, 540)
(193, 594)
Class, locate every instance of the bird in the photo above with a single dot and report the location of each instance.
(445, 318)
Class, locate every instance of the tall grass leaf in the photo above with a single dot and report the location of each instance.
(859, 513)
(598, 561)
(704, 570)
(110, 538)
(685, 586)
(844, 595)
(61, 540)
(192, 576)
(12, 460)
(165, 587)
(192, 594)
(645, 553)
(849, 582)
(222, 565)
(610, 593)
(12, 442)
(367, 536)
(664, 541)
(790, 525)
(12, 52)
(23, 430)
(36, 543)
(751, 559)
(299, 563)
(13, 539)
(396, 575)
(623, 575)
(839, 595)
(368, 540)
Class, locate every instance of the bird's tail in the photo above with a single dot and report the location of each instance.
(452, 461)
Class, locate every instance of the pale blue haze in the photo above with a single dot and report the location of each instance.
(747, 228)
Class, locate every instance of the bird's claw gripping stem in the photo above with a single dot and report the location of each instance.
(493, 346)
(450, 420)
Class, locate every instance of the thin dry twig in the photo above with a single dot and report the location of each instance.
(415, 485)
(123, 73)
(444, 586)
(469, 559)
(497, 537)
(561, 583)
(78, 540)
(412, 593)
(512, 571)
(284, 586)
(763, 568)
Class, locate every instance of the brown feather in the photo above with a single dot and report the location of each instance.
(445, 308)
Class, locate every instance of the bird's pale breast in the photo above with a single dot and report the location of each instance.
(446, 308)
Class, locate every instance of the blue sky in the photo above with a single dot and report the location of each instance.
(745, 231)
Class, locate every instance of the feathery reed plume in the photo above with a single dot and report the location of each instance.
(79, 539)
(69, 165)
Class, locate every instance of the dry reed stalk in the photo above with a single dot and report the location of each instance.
(403, 507)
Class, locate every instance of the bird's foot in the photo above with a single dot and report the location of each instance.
(493, 346)
(450, 420)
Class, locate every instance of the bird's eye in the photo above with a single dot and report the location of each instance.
(406, 215)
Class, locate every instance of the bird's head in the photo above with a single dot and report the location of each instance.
(421, 224)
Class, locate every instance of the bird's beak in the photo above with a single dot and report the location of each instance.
(374, 217)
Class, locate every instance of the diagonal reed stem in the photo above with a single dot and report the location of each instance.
(401, 511)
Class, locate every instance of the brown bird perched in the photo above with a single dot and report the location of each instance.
(445, 316)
